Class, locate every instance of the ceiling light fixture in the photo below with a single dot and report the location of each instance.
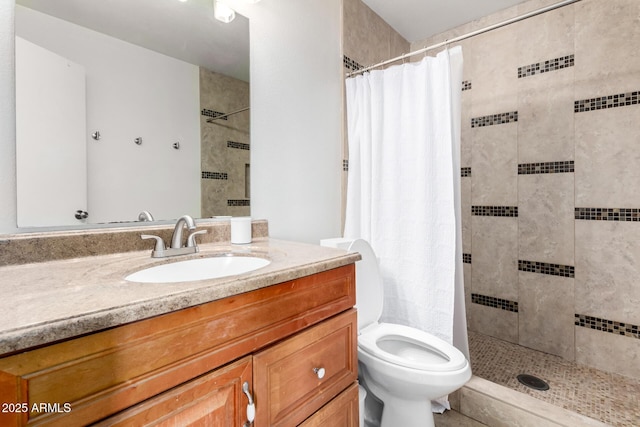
(222, 12)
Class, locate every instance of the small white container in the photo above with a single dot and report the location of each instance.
(240, 230)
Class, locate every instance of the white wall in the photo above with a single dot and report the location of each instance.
(296, 116)
(131, 92)
(7, 120)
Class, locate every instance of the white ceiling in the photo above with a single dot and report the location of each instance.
(417, 20)
(187, 31)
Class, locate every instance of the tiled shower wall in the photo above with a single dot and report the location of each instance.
(225, 145)
(551, 180)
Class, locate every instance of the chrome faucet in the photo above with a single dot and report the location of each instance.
(160, 251)
(176, 240)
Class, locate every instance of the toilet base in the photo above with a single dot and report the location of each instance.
(406, 414)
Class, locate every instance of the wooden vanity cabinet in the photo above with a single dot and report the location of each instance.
(187, 367)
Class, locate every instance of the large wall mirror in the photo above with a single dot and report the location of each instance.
(121, 107)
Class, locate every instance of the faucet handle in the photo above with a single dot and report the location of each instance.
(191, 239)
(159, 242)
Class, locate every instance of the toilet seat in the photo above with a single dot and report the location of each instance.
(426, 352)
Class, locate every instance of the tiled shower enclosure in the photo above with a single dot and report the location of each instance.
(551, 182)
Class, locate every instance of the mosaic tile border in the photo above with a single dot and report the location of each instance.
(238, 145)
(214, 175)
(546, 268)
(350, 64)
(610, 326)
(212, 113)
(546, 66)
(466, 85)
(604, 102)
(508, 211)
(494, 119)
(500, 303)
(466, 258)
(466, 171)
(546, 167)
(608, 214)
(238, 202)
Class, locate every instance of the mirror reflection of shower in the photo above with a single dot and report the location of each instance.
(225, 156)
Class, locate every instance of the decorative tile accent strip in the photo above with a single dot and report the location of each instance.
(546, 167)
(546, 66)
(546, 268)
(212, 113)
(466, 258)
(466, 85)
(500, 303)
(611, 326)
(465, 171)
(238, 202)
(345, 165)
(608, 214)
(239, 145)
(350, 64)
(214, 175)
(511, 211)
(604, 102)
(494, 119)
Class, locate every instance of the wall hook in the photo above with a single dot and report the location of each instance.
(96, 135)
(138, 140)
(176, 145)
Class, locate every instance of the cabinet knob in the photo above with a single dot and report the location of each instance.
(319, 372)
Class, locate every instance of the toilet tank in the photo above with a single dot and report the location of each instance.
(369, 288)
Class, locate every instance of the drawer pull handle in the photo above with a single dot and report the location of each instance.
(319, 372)
(251, 407)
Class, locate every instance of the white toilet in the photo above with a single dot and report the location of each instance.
(403, 367)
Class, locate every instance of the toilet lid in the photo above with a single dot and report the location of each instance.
(415, 349)
(369, 291)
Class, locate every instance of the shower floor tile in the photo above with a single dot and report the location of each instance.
(610, 398)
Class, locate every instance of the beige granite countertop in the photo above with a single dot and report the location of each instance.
(50, 301)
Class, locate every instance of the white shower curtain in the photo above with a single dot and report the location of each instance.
(404, 187)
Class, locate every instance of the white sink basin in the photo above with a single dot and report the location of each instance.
(198, 269)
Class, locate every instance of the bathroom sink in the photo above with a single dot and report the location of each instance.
(198, 269)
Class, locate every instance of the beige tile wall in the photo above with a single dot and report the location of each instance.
(225, 180)
(547, 260)
(368, 39)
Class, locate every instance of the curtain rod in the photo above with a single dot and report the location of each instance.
(224, 116)
(465, 36)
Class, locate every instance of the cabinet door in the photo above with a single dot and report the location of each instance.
(341, 411)
(295, 378)
(214, 399)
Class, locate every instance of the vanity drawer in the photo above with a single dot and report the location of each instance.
(289, 385)
(341, 411)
